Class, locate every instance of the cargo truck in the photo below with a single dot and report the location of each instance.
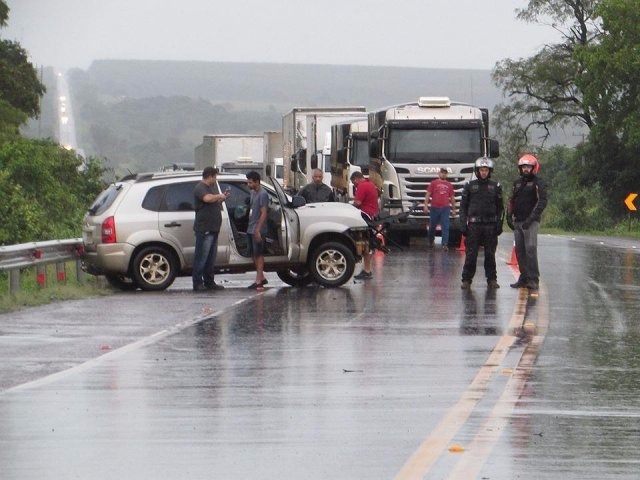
(304, 137)
(409, 143)
(349, 153)
(272, 155)
(218, 149)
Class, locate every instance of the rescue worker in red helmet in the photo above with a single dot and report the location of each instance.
(524, 211)
(481, 216)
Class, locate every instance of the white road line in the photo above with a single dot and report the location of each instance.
(149, 340)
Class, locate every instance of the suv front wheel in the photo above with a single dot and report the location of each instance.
(332, 264)
(154, 268)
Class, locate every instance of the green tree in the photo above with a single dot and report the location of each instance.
(542, 90)
(4, 13)
(20, 89)
(611, 86)
(44, 190)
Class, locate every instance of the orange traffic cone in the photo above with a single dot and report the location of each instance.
(462, 247)
(514, 258)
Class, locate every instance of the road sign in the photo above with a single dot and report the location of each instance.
(629, 201)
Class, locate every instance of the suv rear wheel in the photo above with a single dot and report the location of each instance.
(154, 268)
(332, 264)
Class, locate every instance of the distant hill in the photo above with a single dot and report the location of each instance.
(289, 84)
(144, 114)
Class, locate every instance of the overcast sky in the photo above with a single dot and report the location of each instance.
(415, 33)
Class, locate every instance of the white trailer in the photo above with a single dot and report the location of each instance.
(304, 137)
(218, 149)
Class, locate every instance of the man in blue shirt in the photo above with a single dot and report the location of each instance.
(257, 228)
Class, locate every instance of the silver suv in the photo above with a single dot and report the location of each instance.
(139, 233)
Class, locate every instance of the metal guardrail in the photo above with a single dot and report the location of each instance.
(13, 258)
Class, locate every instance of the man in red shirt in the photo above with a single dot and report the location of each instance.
(366, 199)
(443, 204)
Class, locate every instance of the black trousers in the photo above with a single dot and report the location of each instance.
(480, 234)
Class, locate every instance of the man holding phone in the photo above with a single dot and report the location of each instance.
(207, 201)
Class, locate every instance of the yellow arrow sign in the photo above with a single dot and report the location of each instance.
(629, 201)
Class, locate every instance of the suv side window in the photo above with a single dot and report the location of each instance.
(178, 197)
(153, 198)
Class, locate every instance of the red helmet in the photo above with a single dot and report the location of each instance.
(530, 160)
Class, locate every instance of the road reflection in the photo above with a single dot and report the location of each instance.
(480, 319)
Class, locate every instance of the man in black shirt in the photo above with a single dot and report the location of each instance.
(528, 200)
(317, 191)
(208, 205)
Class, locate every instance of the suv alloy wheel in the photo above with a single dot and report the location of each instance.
(154, 268)
(332, 264)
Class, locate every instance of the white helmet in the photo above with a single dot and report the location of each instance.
(483, 162)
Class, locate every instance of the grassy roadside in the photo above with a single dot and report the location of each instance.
(32, 294)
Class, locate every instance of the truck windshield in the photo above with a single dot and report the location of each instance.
(360, 155)
(434, 146)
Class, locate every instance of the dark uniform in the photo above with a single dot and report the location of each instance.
(481, 212)
(528, 200)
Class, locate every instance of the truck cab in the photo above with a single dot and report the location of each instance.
(349, 153)
(409, 143)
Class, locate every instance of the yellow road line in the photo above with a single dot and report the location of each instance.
(477, 452)
(435, 444)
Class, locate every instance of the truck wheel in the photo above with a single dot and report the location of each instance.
(332, 264)
(154, 268)
(295, 278)
(121, 282)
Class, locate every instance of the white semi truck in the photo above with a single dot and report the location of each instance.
(304, 141)
(409, 143)
(218, 149)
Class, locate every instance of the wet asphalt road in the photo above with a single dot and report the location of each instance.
(380, 379)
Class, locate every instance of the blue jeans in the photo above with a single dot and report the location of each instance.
(204, 260)
(439, 215)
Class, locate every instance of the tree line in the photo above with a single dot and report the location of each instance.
(587, 83)
(44, 188)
